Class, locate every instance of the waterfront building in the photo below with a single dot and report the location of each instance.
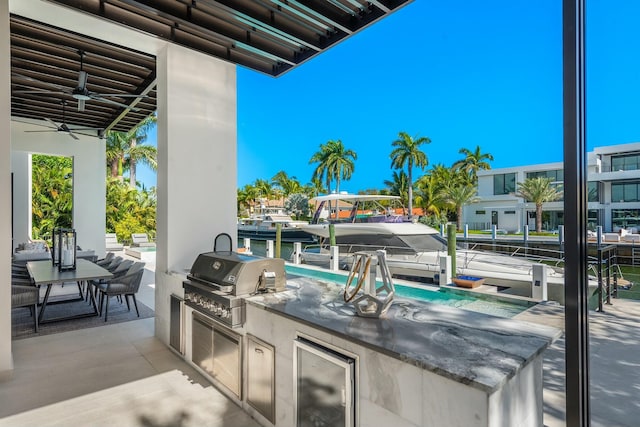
(614, 193)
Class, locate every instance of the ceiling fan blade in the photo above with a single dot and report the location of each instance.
(75, 129)
(82, 79)
(52, 122)
(86, 134)
(50, 130)
(108, 101)
(81, 105)
(119, 95)
(72, 135)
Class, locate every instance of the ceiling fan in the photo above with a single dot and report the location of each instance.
(63, 127)
(80, 92)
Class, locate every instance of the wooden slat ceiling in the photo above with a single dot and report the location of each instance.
(269, 36)
(47, 59)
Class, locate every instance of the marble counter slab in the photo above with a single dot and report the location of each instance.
(475, 349)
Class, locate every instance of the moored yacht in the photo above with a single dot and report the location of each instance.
(413, 249)
(263, 225)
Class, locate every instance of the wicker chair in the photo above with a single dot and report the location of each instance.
(106, 260)
(126, 286)
(24, 294)
(119, 268)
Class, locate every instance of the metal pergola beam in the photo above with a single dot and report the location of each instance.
(575, 207)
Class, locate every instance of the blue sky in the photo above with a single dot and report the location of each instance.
(463, 73)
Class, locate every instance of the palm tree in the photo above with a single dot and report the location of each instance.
(407, 151)
(398, 186)
(473, 162)
(287, 185)
(117, 145)
(264, 189)
(458, 195)
(334, 162)
(314, 188)
(428, 196)
(538, 190)
(139, 153)
(128, 149)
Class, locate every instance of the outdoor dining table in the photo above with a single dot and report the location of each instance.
(44, 273)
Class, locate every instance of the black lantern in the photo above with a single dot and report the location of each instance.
(64, 249)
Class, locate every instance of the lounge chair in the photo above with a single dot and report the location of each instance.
(141, 240)
(111, 242)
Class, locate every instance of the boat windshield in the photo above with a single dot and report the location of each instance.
(395, 244)
(425, 242)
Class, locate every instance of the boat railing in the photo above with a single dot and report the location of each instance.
(358, 247)
(551, 257)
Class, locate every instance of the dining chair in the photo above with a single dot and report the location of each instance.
(24, 294)
(119, 270)
(124, 286)
(106, 260)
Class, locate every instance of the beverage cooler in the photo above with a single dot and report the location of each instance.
(325, 386)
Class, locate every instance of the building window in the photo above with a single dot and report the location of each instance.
(625, 218)
(481, 212)
(509, 212)
(594, 191)
(627, 191)
(504, 183)
(556, 175)
(628, 162)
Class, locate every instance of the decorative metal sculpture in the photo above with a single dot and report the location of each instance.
(374, 300)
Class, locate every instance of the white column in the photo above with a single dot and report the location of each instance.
(6, 360)
(270, 251)
(21, 170)
(197, 170)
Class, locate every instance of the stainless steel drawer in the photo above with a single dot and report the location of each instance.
(261, 377)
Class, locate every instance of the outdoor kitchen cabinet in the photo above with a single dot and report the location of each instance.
(261, 377)
(217, 351)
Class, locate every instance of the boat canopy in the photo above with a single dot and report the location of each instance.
(354, 197)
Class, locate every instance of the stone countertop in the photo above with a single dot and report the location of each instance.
(479, 350)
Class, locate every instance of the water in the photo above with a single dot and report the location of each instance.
(480, 304)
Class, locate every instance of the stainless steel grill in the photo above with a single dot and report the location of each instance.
(219, 281)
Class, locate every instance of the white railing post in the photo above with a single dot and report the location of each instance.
(270, 250)
(445, 270)
(539, 282)
(334, 262)
(297, 252)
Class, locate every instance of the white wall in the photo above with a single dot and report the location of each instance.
(21, 164)
(6, 359)
(196, 165)
(89, 181)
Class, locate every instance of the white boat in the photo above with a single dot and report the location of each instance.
(414, 249)
(262, 226)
